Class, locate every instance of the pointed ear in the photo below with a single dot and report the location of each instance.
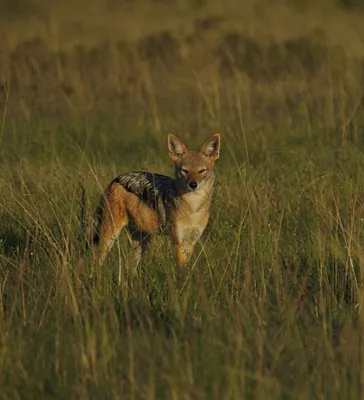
(211, 149)
(176, 147)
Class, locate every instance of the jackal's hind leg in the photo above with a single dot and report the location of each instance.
(111, 227)
(140, 241)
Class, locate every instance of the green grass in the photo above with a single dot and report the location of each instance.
(271, 305)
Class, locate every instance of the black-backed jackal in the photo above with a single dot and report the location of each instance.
(146, 203)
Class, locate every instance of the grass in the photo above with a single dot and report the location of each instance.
(271, 305)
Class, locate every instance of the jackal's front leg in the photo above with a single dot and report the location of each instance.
(183, 254)
(185, 242)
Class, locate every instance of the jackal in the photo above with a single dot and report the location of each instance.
(145, 203)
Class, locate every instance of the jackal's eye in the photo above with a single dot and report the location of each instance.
(201, 171)
(184, 171)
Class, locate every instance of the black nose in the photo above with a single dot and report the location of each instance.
(193, 185)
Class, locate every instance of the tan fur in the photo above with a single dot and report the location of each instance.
(186, 208)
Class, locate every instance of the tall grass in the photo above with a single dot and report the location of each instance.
(271, 305)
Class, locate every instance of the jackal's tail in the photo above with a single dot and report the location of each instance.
(82, 217)
(90, 232)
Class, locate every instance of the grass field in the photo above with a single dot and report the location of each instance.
(271, 306)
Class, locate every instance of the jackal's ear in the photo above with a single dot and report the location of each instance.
(176, 147)
(211, 149)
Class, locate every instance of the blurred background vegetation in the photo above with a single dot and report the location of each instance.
(291, 65)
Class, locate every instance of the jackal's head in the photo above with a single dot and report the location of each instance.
(194, 169)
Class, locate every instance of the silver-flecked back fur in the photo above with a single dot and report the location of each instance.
(155, 190)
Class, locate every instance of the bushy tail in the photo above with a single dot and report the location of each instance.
(82, 217)
(95, 231)
(90, 232)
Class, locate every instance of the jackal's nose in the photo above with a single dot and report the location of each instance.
(193, 185)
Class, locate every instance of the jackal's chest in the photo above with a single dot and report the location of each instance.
(187, 218)
(188, 228)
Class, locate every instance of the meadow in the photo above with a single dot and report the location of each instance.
(271, 305)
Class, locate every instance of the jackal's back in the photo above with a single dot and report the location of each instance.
(154, 190)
